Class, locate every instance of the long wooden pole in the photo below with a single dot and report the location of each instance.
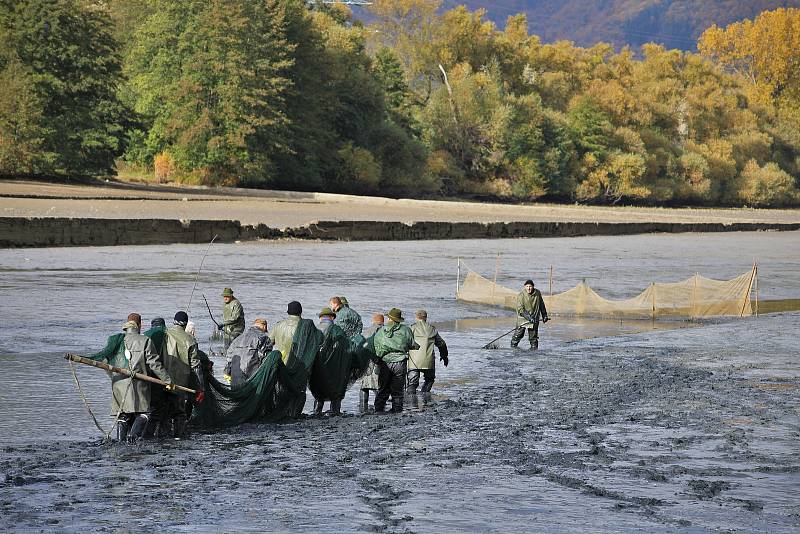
(138, 376)
(494, 282)
(756, 282)
(458, 276)
(551, 281)
(749, 289)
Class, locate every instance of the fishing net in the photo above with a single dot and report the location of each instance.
(696, 297)
(274, 392)
(277, 390)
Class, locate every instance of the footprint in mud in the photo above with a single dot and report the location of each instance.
(381, 500)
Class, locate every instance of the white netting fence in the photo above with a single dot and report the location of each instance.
(696, 297)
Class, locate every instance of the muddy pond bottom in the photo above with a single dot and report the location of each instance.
(692, 429)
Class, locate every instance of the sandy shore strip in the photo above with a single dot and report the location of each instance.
(281, 209)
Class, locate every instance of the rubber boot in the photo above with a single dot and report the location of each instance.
(363, 400)
(139, 427)
(411, 397)
(179, 425)
(318, 405)
(397, 403)
(336, 407)
(535, 345)
(426, 397)
(120, 430)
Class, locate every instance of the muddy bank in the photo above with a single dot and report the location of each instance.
(20, 232)
(691, 430)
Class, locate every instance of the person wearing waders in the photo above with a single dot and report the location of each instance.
(130, 398)
(333, 334)
(346, 318)
(370, 379)
(182, 361)
(246, 353)
(283, 333)
(422, 360)
(392, 344)
(530, 306)
(232, 318)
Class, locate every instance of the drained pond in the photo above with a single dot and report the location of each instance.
(610, 426)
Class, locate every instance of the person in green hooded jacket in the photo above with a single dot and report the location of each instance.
(530, 307)
(346, 318)
(392, 343)
(422, 360)
(232, 317)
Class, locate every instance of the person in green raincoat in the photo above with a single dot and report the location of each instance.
(530, 306)
(232, 317)
(392, 344)
(283, 333)
(130, 398)
(346, 318)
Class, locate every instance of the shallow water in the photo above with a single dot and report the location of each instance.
(610, 426)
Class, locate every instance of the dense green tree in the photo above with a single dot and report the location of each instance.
(63, 69)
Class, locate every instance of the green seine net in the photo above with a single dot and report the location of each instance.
(328, 363)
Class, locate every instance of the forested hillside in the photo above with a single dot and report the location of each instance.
(421, 102)
(672, 23)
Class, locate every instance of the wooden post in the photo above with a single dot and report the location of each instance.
(458, 276)
(494, 282)
(749, 289)
(756, 282)
(551, 283)
(653, 286)
(126, 372)
(694, 297)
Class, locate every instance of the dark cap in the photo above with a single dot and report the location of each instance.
(528, 283)
(158, 321)
(294, 308)
(181, 318)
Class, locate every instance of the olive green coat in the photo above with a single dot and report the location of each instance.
(233, 318)
(533, 304)
(426, 336)
(283, 333)
(393, 341)
(137, 353)
(180, 355)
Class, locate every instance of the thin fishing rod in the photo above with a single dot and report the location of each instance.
(196, 276)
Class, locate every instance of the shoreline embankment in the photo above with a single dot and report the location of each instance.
(30, 232)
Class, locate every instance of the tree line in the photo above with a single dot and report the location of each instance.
(419, 102)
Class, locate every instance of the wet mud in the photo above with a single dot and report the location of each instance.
(655, 431)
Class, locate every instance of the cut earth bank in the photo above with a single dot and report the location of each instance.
(37, 214)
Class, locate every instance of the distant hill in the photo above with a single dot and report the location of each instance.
(673, 23)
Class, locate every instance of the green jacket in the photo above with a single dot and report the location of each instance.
(427, 337)
(532, 305)
(393, 341)
(134, 352)
(233, 318)
(158, 335)
(283, 333)
(180, 356)
(349, 321)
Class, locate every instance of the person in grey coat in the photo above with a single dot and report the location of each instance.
(130, 398)
(247, 352)
(422, 360)
(370, 379)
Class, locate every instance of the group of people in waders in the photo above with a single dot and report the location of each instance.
(398, 356)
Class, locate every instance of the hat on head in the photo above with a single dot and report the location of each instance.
(528, 283)
(135, 317)
(344, 301)
(294, 308)
(377, 318)
(421, 313)
(130, 325)
(158, 321)
(327, 312)
(181, 318)
(395, 315)
(227, 292)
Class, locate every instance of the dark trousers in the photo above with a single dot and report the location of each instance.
(413, 379)
(533, 335)
(391, 382)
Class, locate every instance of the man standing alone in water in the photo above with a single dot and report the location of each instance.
(530, 306)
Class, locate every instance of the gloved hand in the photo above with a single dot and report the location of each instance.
(226, 378)
(445, 360)
(170, 387)
(545, 319)
(219, 327)
(528, 317)
(199, 397)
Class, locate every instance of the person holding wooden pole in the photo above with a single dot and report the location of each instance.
(130, 398)
(530, 306)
